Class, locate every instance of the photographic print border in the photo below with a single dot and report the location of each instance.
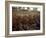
(7, 18)
(39, 8)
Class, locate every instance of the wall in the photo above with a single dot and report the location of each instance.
(2, 19)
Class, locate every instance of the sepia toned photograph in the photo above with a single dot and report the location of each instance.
(25, 18)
